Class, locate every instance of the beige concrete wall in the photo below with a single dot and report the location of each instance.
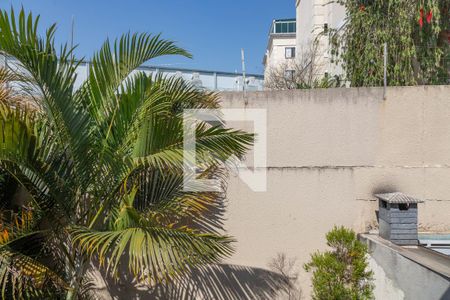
(329, 151)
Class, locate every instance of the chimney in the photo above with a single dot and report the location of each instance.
(398, 218)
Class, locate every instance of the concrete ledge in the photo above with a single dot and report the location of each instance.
(432, 260)
(407, 272)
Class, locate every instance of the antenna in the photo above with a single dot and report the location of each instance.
(243, 70)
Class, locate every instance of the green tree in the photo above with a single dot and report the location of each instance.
(413, 31)
(103, 165)
(341, 273)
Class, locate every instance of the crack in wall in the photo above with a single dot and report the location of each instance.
(427, 199)
(354, 167)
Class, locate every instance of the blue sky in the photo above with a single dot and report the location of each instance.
(213, 31)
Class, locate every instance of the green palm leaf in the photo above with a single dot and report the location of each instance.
(30, 153)
(154, 253)
(54, 77)
(24, 277)
(111, 66)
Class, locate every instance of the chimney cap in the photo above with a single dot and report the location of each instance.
(398, 197)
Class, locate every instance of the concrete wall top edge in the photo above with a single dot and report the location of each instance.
(375, 93)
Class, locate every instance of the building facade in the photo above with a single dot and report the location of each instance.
(302, 45)
(315, 18)
(281, 48)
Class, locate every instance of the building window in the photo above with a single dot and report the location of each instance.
(289, 74)
(290, 52)
(292, 27)
(283, 26)
(278, 28)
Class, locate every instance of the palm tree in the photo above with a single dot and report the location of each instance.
(103, 167)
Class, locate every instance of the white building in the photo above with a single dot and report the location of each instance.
(314, 20)
(293, 41)
(210, 80)
(281, 47)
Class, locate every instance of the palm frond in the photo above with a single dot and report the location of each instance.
(24, 277)
(12, 90)
(30, 153)
(156, 136)
(53, 74)
(153, 253)
(22, 273)
(114, 63)
(160, 197)
(214, 145)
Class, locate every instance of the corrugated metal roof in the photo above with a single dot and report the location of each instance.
(397, 198)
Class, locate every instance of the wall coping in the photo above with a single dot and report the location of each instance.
(432, 260)
(331, 94)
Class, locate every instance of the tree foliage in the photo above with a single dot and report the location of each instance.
(414, 31)
(341, 273)
(103, 166)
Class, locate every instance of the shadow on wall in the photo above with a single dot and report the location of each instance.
(384, 188)
(218, 282)
(227, 282)
(446, 295)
